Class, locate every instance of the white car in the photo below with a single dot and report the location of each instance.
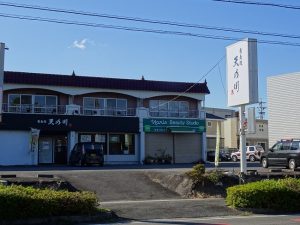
(253, 153)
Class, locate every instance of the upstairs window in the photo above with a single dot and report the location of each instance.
(32, 103)
(164, 108)
(104, 106)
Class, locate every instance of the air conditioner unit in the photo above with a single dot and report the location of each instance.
(72, 109)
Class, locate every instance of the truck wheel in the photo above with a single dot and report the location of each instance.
(292, 164)
(264, 163)
(234, 158)
(252, 158)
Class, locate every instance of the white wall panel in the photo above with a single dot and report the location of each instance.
(284, 107)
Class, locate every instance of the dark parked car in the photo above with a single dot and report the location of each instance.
(87, 153)
(223, 156)
(284, 153)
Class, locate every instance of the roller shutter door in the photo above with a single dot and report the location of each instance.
(187, 148)
(155, 142)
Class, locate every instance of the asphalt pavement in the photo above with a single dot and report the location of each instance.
(227, 220)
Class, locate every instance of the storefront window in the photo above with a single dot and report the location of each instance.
(94, 137)
(121, 144)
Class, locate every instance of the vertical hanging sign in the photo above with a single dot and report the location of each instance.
(2, 49)
(242, 82)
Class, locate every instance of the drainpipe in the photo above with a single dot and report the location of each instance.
(142, 113)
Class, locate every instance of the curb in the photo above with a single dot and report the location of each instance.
(101, 217)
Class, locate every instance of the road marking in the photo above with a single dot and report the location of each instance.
(209, 218)
(159, 200)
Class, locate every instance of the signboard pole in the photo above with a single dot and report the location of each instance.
(242, 139)
(2, 50)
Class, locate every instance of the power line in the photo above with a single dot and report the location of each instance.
(260, 3)
(205, 75)
(144, 30)
(152, 21)
(221, 79)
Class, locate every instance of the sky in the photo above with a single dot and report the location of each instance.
(59, 49)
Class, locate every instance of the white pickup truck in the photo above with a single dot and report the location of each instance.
(253, 153)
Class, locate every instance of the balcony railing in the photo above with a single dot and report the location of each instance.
(108, 112)
(177, 114)
(78, 110)
(62, 110)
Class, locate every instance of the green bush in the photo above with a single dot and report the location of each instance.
(17, 202)
(283, 195)
(197, 173)
(214, 176)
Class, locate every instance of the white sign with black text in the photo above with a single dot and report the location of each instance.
(242, 82)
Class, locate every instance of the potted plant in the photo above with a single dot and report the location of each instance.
(149, 159)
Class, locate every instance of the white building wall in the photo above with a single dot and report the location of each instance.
(15, 148)
(284, 106)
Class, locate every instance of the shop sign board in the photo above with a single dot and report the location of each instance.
(63, 123)
(242, 75)
(158, 125)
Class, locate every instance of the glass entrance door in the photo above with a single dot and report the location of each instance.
(45, 150)
(60, 150)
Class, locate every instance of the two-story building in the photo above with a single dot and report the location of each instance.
(45, 115)
(230, 129)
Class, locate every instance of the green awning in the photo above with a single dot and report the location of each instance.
(183, 130)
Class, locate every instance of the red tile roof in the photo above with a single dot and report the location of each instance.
(101, 82)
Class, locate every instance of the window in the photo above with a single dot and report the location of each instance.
(103, 106)
(183, 109)
(121, 107)
(295, 145)
(153, 105)
(32, 103)
(164, 108)
(14, 101)
(173, 109)
(110, 106)
(45, 103)
(89, 106)
(208, 124)
(121, 144)
(286, 145)
(251, 149)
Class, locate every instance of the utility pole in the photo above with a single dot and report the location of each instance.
(2, 50)
(261, 109)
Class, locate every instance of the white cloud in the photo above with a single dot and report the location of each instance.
(84, 43)
(80, 44)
